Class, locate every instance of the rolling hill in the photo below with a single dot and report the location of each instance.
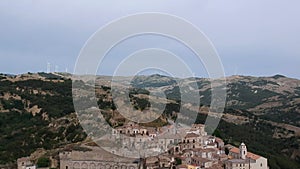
(36, 111)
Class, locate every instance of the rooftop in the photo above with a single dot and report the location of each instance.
(191, 135)
(249, 154)
(240, 161)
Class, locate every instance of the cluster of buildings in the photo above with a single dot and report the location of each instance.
(159, 140)
(174, 147)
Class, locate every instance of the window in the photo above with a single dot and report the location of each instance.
(67, 167)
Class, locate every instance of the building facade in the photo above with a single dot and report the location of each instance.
(240, 158)
(93, 160)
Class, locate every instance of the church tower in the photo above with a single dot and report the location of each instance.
(243, 151)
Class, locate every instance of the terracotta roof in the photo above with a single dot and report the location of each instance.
(152, 132)
(210, 150)
(223, 156)
(253, 156)
(184, 158)
(219, 140)
(191, 135)
(216, 166)
(240, 161)
(204, 150)
(235, 150)
(151, 160)
(182, 166)
(230, 157)
(167, 135)
(229, 146)
(249, 154)
(187, 150)
(200, 159)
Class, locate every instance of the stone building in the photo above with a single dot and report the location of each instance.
(240, 158)
(25, 163)
(160, 161)
(95, 160)
(237, 164)
(202, 162)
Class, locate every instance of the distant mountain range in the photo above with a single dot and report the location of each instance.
(36, 111)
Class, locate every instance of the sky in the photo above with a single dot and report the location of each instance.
(257, 38)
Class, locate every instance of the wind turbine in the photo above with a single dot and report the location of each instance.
(56, 68)
(48, 67)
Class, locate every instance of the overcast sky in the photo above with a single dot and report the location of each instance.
(254, 37)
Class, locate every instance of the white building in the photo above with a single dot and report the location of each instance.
(25, 163)
(240, 158)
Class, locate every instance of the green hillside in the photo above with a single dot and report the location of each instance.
(36, 111)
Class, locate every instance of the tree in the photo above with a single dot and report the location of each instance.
(43, 162)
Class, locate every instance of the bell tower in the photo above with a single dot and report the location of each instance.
(243, 151)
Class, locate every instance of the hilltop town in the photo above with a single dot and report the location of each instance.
(174, 147)
(38, 122)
